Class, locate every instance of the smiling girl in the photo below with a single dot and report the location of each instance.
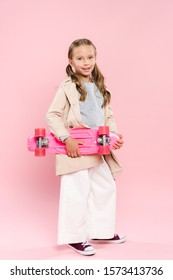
(88, 190)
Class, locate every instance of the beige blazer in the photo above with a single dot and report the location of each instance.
(64, 114)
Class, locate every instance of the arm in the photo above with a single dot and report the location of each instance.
(110, 121)
(56, 117)
(56, 114)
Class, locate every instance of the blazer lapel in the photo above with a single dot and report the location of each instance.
(73, 98)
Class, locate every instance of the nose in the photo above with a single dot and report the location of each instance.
(85, 62)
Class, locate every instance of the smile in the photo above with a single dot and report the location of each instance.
(86, 69)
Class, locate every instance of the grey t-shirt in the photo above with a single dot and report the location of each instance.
(91, 109)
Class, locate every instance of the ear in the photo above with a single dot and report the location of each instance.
(70, 62)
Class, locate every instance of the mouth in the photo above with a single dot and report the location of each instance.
(86, 69)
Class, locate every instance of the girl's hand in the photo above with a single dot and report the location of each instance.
(119, 143)
(72, 147)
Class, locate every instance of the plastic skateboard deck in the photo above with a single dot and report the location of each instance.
(95, 141)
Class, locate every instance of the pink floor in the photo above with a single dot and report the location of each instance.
(28, 233)
(131, 250)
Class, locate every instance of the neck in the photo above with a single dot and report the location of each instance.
(86, 79)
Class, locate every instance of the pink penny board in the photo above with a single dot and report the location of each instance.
(95, 141)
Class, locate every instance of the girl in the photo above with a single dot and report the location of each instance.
(87, 191)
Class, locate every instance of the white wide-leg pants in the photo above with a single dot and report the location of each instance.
(87, 205)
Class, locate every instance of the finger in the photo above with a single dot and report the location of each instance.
(115, 146)
(75, 154)
(80, 143)
(120, 135)
(78, 153)
(70, 153)
(120, 140)
(119, 143)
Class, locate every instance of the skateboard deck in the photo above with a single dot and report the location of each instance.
(94, 141)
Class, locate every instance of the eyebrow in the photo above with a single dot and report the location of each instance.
(82, 56)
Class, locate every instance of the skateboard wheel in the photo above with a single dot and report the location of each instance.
(40, 132)
(103, 130)
(104, 150)
(40, 152)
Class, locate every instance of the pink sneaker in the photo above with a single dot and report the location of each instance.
(115, 239)
(83, 248)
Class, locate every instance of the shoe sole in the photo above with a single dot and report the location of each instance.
(84, 253)
(122, 240)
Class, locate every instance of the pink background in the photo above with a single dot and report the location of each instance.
(134, 40)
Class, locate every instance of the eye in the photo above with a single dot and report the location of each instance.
(79, 58)
(91, 57)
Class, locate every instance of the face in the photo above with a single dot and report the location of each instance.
(83, 61)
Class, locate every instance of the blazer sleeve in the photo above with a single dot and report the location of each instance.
(56, 114)
(109, 119)
(111, 159)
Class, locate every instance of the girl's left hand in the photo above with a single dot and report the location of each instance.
(119, 143)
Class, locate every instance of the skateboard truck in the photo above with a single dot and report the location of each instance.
(42, 142)
(103, 140)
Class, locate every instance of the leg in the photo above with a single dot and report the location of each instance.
(101, 203)
(74, 192)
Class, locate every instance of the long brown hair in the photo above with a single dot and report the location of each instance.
(96, 74)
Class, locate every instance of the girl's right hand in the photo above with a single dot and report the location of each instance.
(72, 147)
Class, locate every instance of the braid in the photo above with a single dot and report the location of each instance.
(99, 80)
(75, 79)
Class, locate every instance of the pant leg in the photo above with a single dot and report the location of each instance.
(74, 193)
(86, 205)
(101, 203)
